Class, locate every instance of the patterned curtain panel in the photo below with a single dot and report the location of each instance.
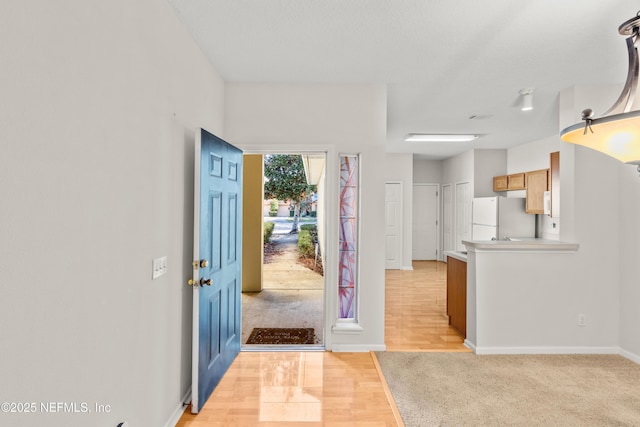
(348, 236)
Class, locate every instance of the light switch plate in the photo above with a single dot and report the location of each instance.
(159, 267)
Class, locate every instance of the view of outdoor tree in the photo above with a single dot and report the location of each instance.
(285, 180)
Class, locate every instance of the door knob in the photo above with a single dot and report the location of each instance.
(191, 282)
(205, 282)
(204, 263)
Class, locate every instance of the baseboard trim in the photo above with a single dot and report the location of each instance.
(406, 268)
(631, 356)
(470, 345)
(357, 348)
(547, 350)
(342, 328)
(553, 350)
(179, 410)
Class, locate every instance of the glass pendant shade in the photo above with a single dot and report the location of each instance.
(617, 133)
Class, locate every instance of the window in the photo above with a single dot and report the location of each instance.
(348, 249)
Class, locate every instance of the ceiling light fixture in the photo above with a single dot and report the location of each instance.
(434, 137)
(527, 99)
(617, 132)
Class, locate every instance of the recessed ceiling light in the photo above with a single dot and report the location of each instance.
(434, 137)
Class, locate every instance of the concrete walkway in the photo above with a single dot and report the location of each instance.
(292, 295)
(284, 271)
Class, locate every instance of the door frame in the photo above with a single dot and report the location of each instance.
(451, 221)
(331, 182)
(400, 221)
(425, 184)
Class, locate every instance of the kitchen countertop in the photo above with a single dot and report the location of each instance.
(519, 245)
(460, 255)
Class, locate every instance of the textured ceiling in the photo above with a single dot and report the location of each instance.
(442, 61)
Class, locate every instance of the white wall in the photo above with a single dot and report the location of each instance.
(487, 164)
(99, 106)
(427, 171)
(458, 168)
(532, 156)
(629, 253)
(399, 167)
(338, 119)
(529, 302)
(591, 214)
(571, 103)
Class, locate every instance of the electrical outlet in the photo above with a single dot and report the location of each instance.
(582, 320)
(159, 267)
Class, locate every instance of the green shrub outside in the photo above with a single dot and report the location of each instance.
(268, 231)
(273, 208)
(306, 247)
(312, 229)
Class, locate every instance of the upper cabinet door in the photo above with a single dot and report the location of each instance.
(537, 183)
(500, 183)
(516, 181)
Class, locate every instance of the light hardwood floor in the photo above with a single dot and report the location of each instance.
(416, 310)
(297, 388)
(335, 389)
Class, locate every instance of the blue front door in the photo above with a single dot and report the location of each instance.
(217, 263)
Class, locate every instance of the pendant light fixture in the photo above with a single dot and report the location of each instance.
(617, 132)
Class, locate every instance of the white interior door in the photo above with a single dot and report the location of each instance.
(463, 215)
(393, 221)
(447, 218)
(425, 222)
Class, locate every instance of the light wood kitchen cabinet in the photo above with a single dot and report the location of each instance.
(537, 183)
(457, 294)
(516, 181)
(500, 183)
(509, 182)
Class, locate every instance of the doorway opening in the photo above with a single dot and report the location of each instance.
(283, 291)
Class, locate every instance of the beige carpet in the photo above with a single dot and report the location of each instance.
(463, 389)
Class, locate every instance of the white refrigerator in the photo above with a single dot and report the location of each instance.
(498, 218)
